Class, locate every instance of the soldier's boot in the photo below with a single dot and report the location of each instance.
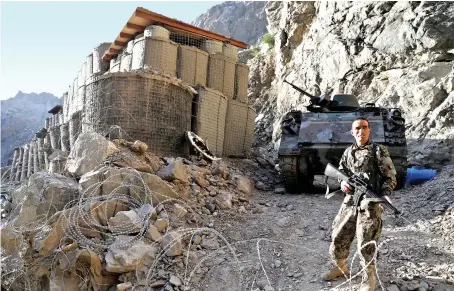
(336, 271)
(370, 282)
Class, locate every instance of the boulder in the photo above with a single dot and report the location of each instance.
(171, 242)
(244, 186)
(44, 195)
(88, 152)
(139, 147)
(174, 171)
(123, 259)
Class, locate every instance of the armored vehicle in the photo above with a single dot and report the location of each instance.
(311, 140)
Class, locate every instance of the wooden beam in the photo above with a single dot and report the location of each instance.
(119, 43)
(126, 35)
(142, 13)
(114, 51)
(135, 26)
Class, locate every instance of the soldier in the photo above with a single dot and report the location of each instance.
(373, 161)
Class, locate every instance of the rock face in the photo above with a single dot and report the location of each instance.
(396, 54)
(244, 21)
(23, 115)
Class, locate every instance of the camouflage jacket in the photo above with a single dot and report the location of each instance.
(378, 166)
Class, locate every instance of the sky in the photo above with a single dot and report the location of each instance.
(43, 44)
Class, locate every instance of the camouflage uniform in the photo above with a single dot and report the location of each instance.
(365, 220)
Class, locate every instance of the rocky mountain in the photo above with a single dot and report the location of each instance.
(22, 115)
(396, 54)
(244, 21)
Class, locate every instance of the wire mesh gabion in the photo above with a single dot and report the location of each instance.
(210, 114)
(138, 52)
(89, 67)
(212, 46)
(75, 128)
(156, 31)
(230, 51)
(155, 54)
(125, 62)
(64, 137)
(192, 65)
(221, 74)
(239, 128)
(241, 82)
(54, 133)
(147, 106)
(99, 66)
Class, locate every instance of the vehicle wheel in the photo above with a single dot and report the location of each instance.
(294, 181)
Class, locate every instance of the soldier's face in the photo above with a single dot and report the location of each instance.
(360, 131)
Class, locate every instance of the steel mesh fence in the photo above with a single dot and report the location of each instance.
(210, 110)
(147, 106)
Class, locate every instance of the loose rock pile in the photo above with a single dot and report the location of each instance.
(119, 216)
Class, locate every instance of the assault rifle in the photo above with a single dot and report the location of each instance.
(362, 188)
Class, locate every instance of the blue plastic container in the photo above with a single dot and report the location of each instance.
(417, 175)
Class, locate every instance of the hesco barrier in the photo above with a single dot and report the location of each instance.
(230, 51)
(99, 66)
(241, 82)
(146, 106)
(80, 98)
(25, 162)
(212, 46)
(64, 137)
(89, 66)
(192, 65)
(239, 129)
(155, 54)
(210, 110)
(41, 154)
(125, 62)
(17, 178)
(156, 31)
(221, 74)
(75, 128)
(54, 133)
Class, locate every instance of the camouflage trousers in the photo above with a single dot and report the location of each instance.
(364, 221)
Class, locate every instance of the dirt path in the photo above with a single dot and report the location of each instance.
(284, 241)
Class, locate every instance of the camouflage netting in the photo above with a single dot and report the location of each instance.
(192, 65)
(241, 82)
(210, 111)
(221, 74)
(239, 129)
(99, 66)
(148, 106)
